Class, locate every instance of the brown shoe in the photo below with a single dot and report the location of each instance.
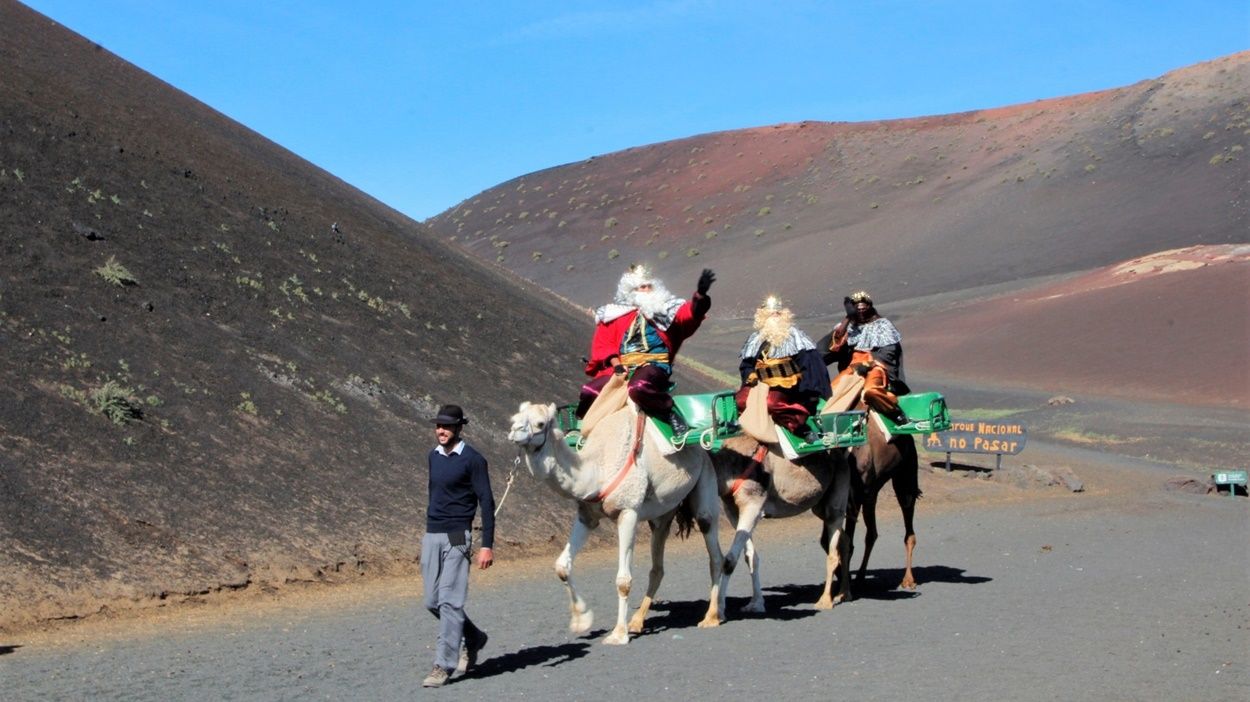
(469, 651)
(437, 677)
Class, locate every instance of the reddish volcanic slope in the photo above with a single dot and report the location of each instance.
(1171, 326)
(907, 208)
(925, 211)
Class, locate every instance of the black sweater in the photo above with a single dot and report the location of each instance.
(459, 484)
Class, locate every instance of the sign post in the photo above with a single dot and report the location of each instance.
(975, 436)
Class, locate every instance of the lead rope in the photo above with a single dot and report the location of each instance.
(516, 463)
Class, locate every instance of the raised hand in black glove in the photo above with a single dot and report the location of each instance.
(705, 280)
(849, 307)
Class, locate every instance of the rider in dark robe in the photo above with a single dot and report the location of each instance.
(782, 357)
(870, 345)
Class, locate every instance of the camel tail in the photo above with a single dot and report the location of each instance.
(685, 518)
(907, 484)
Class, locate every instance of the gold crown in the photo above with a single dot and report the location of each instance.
(861, 296)
(772, 303)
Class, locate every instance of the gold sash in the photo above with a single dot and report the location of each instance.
(778, 372)
(638, 358)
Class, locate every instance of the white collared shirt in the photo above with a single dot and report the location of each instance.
(457, 449)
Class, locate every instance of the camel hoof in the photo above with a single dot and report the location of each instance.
(824, 603)
(636, 621)
(754, 607)
(709, 622)
(908, 584)
(581, 623)
(616, 638)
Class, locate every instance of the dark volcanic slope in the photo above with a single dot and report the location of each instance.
(284, 340)
(906, 208)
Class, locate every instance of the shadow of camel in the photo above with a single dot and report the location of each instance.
(688, 614)
(8, 649)
(547, 656)
(880, 584)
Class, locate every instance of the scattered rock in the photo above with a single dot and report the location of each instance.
(87, 232)
(1068, 478)
(1029, 475)
(1060, 400)
(1194, 486)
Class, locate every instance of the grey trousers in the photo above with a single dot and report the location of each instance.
(445, 570)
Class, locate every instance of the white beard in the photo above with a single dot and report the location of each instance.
(776, 329)
(653, 304)
(779, 332)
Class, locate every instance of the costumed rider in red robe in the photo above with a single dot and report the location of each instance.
(869, 345)
(639, 333)
(785, 359)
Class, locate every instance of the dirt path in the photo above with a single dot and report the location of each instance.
(1025, 594)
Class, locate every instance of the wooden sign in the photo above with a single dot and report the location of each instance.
(974, 436)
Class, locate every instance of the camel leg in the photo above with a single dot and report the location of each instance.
(870, 535)
(835, 541)
(745, 517)
(581, 617)
(705, 501)
(832, 538)
(626, 529)
(757, 593)
(848, 532)
(659, 536)
(907, 503)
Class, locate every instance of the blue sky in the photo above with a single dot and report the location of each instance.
(424, 104)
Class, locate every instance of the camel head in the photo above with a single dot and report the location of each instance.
(532, 425)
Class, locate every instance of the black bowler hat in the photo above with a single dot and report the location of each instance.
(450, 414)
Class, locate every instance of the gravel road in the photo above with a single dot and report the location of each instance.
(1130, 594)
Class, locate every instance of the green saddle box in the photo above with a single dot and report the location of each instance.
(926, 413)
(713, 418)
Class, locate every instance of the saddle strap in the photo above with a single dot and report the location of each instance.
(757, 462)
(629, 463)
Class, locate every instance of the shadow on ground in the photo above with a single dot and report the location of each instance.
(547, 656)
(876, 585)
(680, 615)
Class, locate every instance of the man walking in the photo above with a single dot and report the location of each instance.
(459, 485)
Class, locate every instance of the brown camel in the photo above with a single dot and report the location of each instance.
(753, 484)
(882, 459)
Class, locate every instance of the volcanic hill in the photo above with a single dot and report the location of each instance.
(219, 360)
(935, 216)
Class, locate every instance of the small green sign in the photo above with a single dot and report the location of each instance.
(1230, 477)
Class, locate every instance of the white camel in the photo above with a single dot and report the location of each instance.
(755, 481)
(618, 476)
